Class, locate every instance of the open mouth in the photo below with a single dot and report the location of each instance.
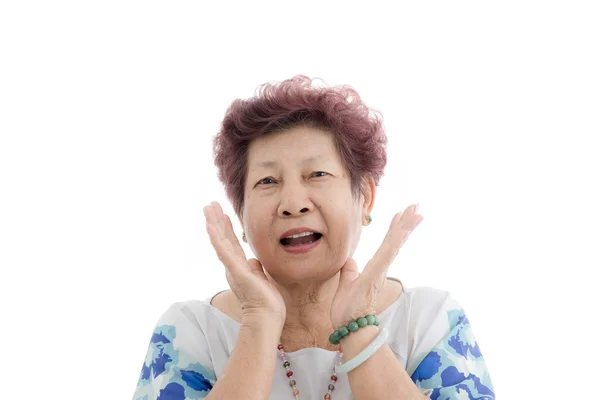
(300, 241)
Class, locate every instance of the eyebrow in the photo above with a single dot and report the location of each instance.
(271, 164)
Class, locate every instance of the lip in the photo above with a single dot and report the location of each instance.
(303, 248)
(296, 231)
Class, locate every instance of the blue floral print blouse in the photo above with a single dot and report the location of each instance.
(429, 333)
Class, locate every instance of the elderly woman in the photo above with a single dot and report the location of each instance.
(301, 166)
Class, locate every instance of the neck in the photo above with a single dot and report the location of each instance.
(308, 306)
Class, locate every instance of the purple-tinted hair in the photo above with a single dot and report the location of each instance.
(359, 139)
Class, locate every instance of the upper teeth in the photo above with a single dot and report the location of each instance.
(299, 235)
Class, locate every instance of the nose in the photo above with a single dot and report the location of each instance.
(294, 202)
(302, 211)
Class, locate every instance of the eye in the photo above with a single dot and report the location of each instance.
(264, 179)
(316, 172)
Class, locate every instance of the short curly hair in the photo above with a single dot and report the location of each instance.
(359, 139)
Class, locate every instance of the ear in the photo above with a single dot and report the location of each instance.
(241, 219)
(369, 191)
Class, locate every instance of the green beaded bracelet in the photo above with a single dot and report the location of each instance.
(353, 326)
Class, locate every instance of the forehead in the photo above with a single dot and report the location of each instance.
(302, 146)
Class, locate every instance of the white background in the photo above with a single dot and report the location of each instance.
(107, 113)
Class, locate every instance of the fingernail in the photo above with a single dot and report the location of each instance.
(417, 208)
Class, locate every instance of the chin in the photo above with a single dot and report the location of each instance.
(295, 272)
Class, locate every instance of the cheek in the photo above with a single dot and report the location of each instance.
(352, 233)
(266, 239)
(341, 238)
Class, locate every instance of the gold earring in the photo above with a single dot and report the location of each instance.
(244, 237)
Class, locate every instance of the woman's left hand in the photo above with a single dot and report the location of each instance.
(357, 293)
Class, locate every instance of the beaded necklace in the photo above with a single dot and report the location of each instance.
(289, 373)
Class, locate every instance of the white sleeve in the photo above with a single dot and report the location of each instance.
(177, 364)
(427, 324)
(446, 361)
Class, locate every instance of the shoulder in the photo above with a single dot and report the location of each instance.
(181, 320)
(444, 356)
(432, 311)
(426, 301)
(195, 322)
(178, 358)
(227, 302)
(434, 314)
(420, 311)
(425, 295)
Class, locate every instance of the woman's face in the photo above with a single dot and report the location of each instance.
(296, 179)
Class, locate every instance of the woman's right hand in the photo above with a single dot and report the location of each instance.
(259, 298)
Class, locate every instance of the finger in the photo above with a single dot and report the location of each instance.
(349, 272)
(219, 223)
(218, 209)
(227, 227)
(226, 253)
(409, 219)
(233, 238)
(214, 221)
(225, 249)
(387, 252)
(401, 227)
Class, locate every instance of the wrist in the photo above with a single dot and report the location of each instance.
(263, 322)
(339, 322)
(357, 341)
(353, 326)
